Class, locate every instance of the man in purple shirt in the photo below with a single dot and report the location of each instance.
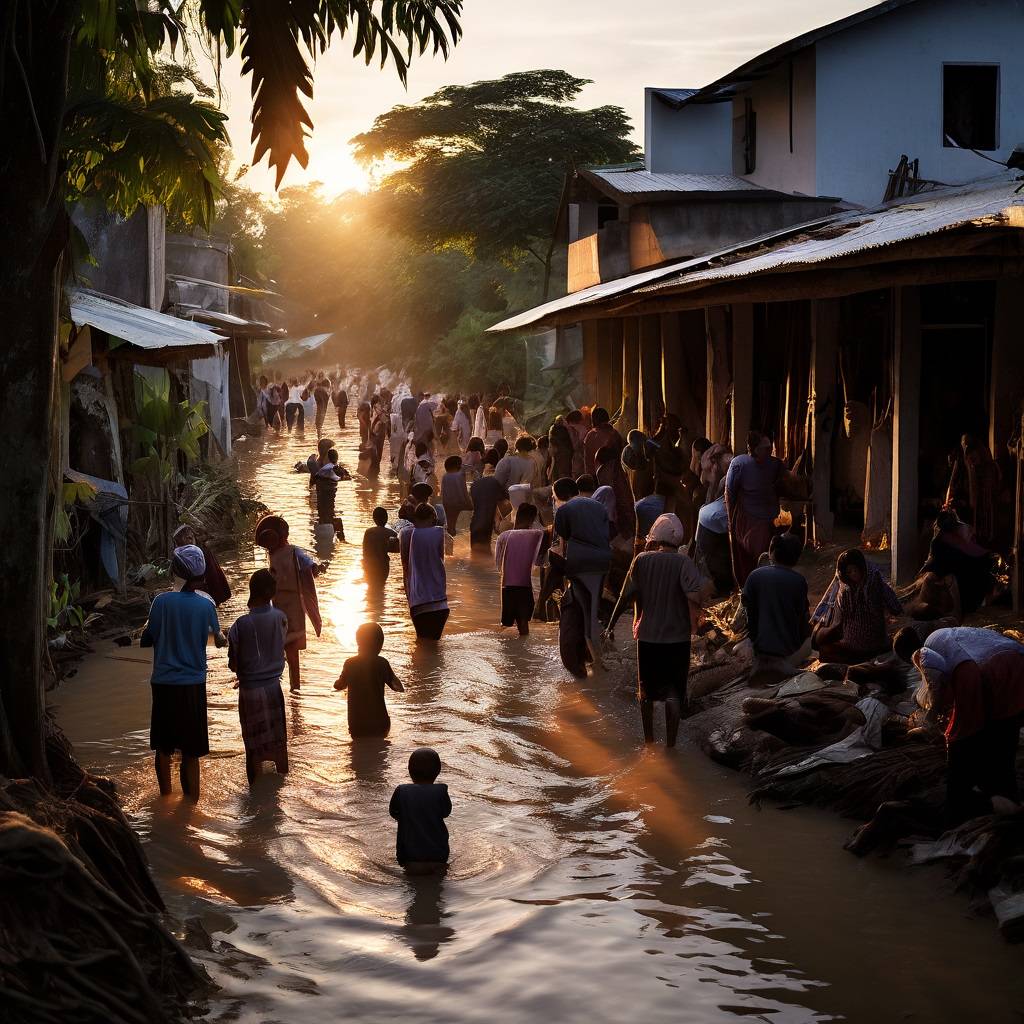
(752, 501)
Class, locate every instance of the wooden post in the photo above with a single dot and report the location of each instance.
(716, 325)
(742, 373)
(1007, 388)
(824, 350)
(615, 327)
(605, 396)
(651, 398)
(590, 373)
(906, 428)
(630, 375)
(1017, 553)
(672, 382)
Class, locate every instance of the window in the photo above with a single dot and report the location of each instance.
(970, 106)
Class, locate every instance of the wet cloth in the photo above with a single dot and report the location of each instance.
(751, 539)
(365, 677)
(256, 647)
(516, 552)
(514, 469)
(179, 625)
(583, 524)
(775, 598)
(606, 496)
(657, 585)
(420, 810)
(178, 718)
(423, 565)
(611, 475)
(714, 517)
(264, 729)
(296, 591)
(516, 605)
(662, 670)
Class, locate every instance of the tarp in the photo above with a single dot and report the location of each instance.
(143, 328)
(210, 384)
(109, 507)
(299, 348)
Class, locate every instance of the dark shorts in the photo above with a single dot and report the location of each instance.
(516, 605)
(662, 670)
(430, 625)
(178, 720)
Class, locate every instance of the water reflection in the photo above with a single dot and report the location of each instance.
(591, 879)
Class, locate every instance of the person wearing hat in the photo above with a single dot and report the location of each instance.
(179, 625)
(215, 583)
(975, 678)
(296, 594)
(661, 585)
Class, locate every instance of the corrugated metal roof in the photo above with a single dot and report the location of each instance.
(992, 201)
(628, 182)
(294, 349)
(675, 97)
(144, 328)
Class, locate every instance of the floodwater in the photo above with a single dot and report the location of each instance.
(591, 879)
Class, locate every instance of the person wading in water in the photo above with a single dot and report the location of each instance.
(296, 589)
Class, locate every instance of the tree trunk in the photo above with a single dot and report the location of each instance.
(33, 232)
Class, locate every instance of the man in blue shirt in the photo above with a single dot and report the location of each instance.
(178, 628)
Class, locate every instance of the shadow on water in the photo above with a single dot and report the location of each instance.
(591, 879)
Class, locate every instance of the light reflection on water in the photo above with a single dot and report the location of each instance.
(591, 879)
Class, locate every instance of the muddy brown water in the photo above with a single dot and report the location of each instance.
(591, 880)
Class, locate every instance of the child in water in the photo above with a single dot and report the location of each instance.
(378, 542)
(516, 552)
(365, 676)
(256, 655)
(420, 808)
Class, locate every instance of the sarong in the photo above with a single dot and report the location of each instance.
(261, 714)
(751, 539)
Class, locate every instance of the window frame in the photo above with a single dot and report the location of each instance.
(997, 128)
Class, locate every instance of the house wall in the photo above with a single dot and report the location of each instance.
(879, 93)
(780, 164)
(697, 138)
(204, 258)
(122, 251)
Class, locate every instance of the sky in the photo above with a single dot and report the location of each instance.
(621, 45)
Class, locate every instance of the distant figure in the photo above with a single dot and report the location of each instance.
(454, 494)
(601, 435)
(179, 625)
(296, 594)
(365, 676)
(712, 543)
(256, 656)
(341, 404)
(420, 808)
(379, 541)
(295, 409)
(516, 552)
(488, 494)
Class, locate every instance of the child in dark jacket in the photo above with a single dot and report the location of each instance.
(365, 676)
(420, 808)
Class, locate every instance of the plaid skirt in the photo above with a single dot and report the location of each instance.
(264, 732)
(178, 719)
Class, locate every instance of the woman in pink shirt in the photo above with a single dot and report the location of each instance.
(516, 552)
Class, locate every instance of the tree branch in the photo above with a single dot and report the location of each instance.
(31, 103)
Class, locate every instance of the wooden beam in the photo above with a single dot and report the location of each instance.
(628, 413)
(824, 410)
(905, 433)
(813, 284)
(716, 321)
(652, 400)
(672, 383)
(615, 328)
(590, 373)
(1007, 389)
(742, 374)
(604, 365)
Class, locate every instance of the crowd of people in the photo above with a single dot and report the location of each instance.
(657, 524)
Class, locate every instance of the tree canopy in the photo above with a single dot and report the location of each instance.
(483, 166)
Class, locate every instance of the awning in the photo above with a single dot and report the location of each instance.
(992, 203)
(142, 328)
(228, 323)
(277, 352)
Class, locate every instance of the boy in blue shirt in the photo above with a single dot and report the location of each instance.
(420, 808)
(178, 628)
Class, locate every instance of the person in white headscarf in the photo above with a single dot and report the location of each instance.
(661, 586)
(975, 678)
(179, 625)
